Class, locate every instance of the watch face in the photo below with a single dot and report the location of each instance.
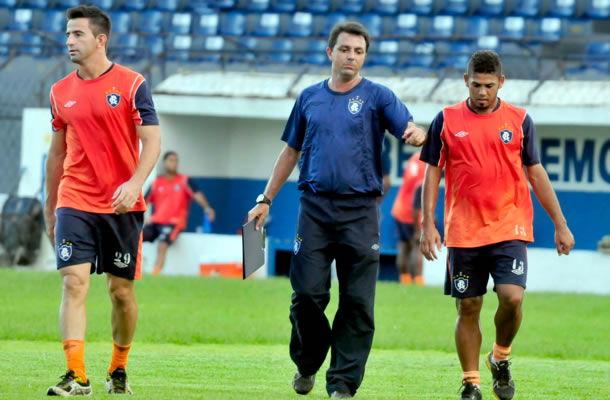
(260, 198)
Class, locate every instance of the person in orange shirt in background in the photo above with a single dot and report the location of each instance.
(409, 259)
(486, 146)
(170, 196)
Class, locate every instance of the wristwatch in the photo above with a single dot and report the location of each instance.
(263, 199)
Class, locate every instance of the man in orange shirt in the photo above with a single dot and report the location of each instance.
(94, 206)
(484, 144)
(409, 259)
(170, 195)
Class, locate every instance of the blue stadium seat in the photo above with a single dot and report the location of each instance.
(351, 6)
(284, 5)
(442, 26)
(213, 47)
(30, 44)
(597, 56)
(222, 4)
(8, 3)
(549, 29)
(121, 21)
(104, 4)
(258, 5)
(267, 25)
(513, 28)
(373, 23)
(301, 25)
(246, 50)
(200, 5)
(386, 7)
(20, 19)
(179, 47)
(206, 24)
(406, 25)
(317, 6)
(150, 21)
(124, 45)
(165, 5)
(562, 8)
(476, 26)
(135, 5)
(56, 44)
(35, 3)
(6, 41)
(281, 51)
(66, 3)
(491, 7)
(420, 7)
(233, 23)
(527, 8)
(454, 7)
(488, 43)
(53, 21)
(316, 53)
(180, 23)
(423, 55)
(457, 57)
(384, 53)
(330, 20)
(597, 9)
(154, 44)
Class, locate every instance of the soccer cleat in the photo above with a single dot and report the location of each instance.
(471, 392)
(340, 395)
(503, 384)
(116, 383)
(303, 384)
(70, 385)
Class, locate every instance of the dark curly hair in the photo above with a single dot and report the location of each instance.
(485, 62)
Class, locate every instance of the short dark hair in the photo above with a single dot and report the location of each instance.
(168, 154)
(485, 62)
(99, 22)
(351, 27)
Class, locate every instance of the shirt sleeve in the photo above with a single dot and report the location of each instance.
(294, 131)
(396, 115)
(56, 122)
(143, 109)
(434, 150)
(190, 183)
(529, 150)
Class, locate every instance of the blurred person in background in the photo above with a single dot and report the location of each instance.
(335, 131)
(486, 147)
(409, 259)
(170, 195)
(94, 207)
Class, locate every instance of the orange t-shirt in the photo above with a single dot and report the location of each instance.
(171, 199)
(413, 176)
(487, 197)
(102, 147)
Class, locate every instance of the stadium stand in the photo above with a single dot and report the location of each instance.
(233, 23)
(351, 6)
(121, 21)
(597, 9)
(206, 23)
(20, 20)
(421, 7)
(318, 6)
(53, 21)
(42, 4)
(386, 7)
(180, 23)
(134, 5)
(165, 5)
(64, 4)
(105, 4)
(527, 8)
(491, 7)
(150, 21)
(406, 25)
(301, 25)
(258, 5)
(266, 25)
(455, 7)
(284, 5)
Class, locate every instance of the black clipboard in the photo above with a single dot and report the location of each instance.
(253, 245)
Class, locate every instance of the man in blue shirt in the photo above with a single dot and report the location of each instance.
(335, 131)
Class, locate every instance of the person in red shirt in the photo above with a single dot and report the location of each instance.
(486, 147)
(170, 195)
(94, 205)
(409, 259)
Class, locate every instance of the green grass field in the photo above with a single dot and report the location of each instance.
(227, 339)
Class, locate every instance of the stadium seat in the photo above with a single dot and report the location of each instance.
(384, 53)
(488, 43)
(423, 56)
(246, 50)
(284, 5)
(476, 26)
(8, 3)
(258, 5)
(386, 7)
(513, 28)
(351, 6)
(233, 23)
(199, 6)
(527, 8)
(491, 7)
(35, 3)
(267, 25)
(180, 23)
(153, 44)
(20, 19)
(66, 3)
(135, 5)
(150, 21)
(420, 7)
(53, 21)
(121, 21)
(373, 23)
(443, 26)
(316, 53)
(331, 20)
(30, 44)
(6, 40)
(104, 4)
(301, 25)
(206, 24)
(165, 5)
(597, 9)
(124, 45)
(456, 56)
(317, 6)
(597, 56)
(56, 44)
(406, 25)
(281, 51)
(562, 8)
(222, 4)
(549, 29)
(212, 49)
(179, 47)
(454, 7)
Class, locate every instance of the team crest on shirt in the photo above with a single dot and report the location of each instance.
(355, 105)
(64, 250)
(113, 97)
(460, 281)
(176, 187)
(297, 245)
(506, 135)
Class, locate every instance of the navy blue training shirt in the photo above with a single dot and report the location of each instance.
(340, 136)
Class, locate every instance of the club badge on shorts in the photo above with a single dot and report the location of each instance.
(113, 97)
(297, 245)
(355, 105)
(64, 250)
(460, 281)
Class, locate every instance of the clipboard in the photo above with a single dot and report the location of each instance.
(253, 245)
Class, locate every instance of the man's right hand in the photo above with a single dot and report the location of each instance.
(259, 211)
(50, 219)
(430, 241)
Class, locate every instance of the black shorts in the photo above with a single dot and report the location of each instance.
(111, 243)
(164, 232)
(405, 231)
(468, 269)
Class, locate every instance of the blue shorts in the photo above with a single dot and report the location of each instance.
(164, 232)
(468, 269)
(111, 243)
(405, 231)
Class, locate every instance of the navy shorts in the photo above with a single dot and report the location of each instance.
(111, 243)
(468, 269)
(164, 232)
(405, 231)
